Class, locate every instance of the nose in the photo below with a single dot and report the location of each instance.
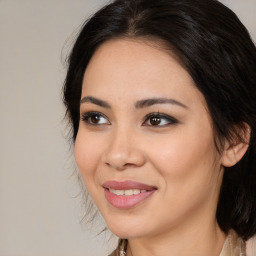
(123, 151)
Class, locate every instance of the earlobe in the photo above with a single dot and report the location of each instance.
(234, 152)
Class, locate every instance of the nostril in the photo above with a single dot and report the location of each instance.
(120, 166)
(129, 165)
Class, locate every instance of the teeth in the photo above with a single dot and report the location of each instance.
(128, 192)
(136, 191)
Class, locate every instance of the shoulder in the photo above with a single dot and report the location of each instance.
(234, 245)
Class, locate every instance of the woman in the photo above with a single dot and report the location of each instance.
(161, 96)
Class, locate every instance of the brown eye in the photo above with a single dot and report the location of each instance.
(159, 120)
(94, 118)
(155, 120)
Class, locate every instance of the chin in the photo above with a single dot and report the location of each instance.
(127, 233)
(127, 228)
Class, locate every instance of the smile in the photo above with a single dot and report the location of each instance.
(127, 194)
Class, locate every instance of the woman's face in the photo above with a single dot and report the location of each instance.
(145, 144)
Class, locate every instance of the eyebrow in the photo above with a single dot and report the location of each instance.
(95, 101)
(154, 101)
(139, 104)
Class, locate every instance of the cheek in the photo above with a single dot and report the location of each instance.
(185, 160)
(87, 156)
(189, 175)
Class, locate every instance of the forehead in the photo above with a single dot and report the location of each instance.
(128, 55)
(128, 67)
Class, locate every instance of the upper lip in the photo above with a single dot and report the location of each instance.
(128, 184)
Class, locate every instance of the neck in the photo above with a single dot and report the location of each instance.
(200, 241)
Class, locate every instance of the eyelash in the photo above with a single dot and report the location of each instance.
(169, 120)
(87, 118)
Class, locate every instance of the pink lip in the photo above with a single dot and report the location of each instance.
(124, 201)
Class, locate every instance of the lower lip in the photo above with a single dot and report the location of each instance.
(125, 202)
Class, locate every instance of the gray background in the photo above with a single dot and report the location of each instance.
(39, 213)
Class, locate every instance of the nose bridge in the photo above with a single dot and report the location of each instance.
(122, 150)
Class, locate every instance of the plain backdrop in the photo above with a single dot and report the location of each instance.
(39, 211)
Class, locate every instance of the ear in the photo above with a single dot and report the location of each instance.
(235, 150)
